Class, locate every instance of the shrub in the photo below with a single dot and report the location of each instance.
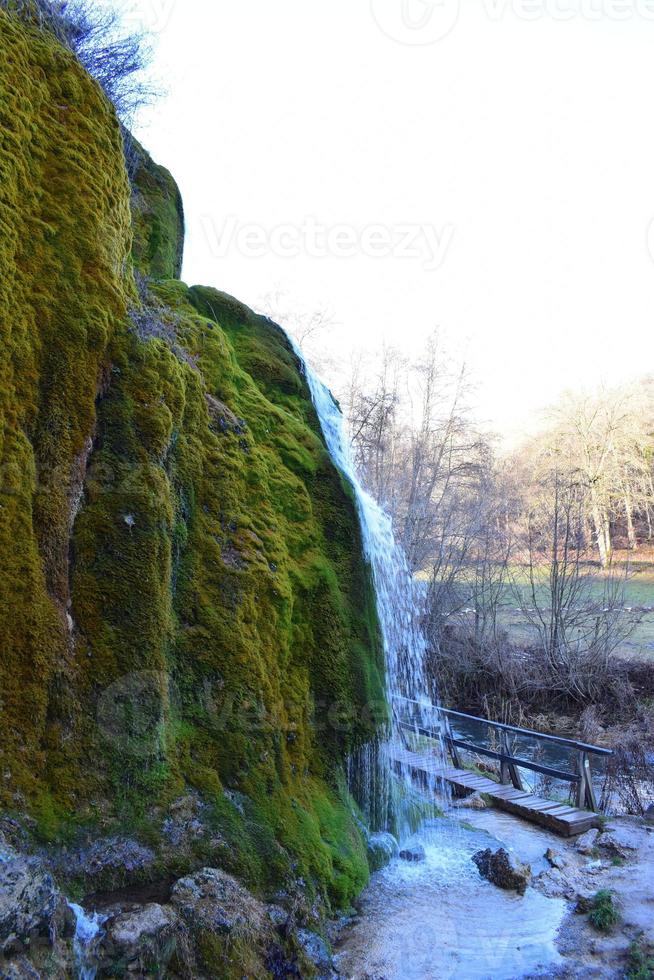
(604, 915)
(641, 961)
(629, 775)
(115, 57)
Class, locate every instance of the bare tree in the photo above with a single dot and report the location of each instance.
(114, 56)
(495, 545)
(579, 621)
(604, 439)
(417, 449)
(310, 329)
(375, 406)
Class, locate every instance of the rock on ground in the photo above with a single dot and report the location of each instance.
(619, 841)
(555, 859)
(473, 802)
(382, 848)
(589, 954)
(209, 926)
(416, 853)
(215, 910)
(211, 899)
(503, 870)
(587, 843)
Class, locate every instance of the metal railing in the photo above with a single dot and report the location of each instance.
(510, 763)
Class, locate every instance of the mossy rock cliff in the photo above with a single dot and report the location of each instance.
(184, 602)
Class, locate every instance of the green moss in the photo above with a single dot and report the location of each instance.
(64, 223)
(158, 216)
(215, 556)
(230, 959)
(178, 502)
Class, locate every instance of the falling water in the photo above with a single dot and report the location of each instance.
(88, 930)
(416, 918)
(404, 643)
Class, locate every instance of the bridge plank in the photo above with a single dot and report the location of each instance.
(559, 817)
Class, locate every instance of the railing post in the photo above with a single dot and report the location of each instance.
(586, 799)
(508, 770)
(504, 765)
(449, 736)
(581, 785)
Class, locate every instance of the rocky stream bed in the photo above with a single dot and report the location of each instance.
(477, 894)
(440, 918)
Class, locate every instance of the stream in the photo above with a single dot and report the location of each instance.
(439, 919)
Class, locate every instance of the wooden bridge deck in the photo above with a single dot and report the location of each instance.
(564, 820)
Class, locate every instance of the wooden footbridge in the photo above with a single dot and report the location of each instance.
(427, 745)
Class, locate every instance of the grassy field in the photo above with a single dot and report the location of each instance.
(639, 601)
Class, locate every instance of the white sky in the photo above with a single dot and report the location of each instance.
(529, 142)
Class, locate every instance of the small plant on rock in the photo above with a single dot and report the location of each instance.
(604, 915)
(641, 961)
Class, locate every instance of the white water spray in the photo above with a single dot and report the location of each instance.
(88, 930)
(399, 611)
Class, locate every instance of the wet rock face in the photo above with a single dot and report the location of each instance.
(211, 926)
(186, 820)
(503, 870)
(32, 909)
(187, 823)
(109, 862)
(135, 940)
(217, 916)
(214, 901)
(14, 835)
(317, 952)
(19, 969)
(382, 848)
(649, 815)
(279, 967)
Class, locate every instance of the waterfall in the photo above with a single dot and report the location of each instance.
(374, 772)
(88, 930)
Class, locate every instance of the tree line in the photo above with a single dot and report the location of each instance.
(549, 531)
(424, 456)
